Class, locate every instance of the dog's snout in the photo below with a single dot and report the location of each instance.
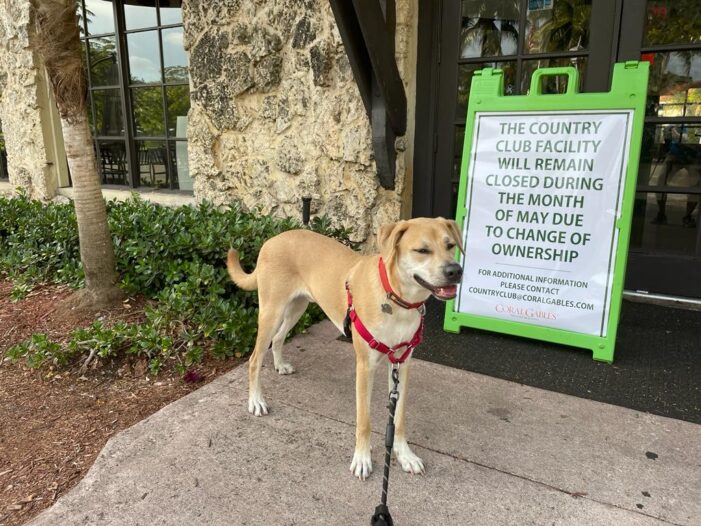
(452, 272)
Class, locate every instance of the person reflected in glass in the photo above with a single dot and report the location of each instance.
(680, 168)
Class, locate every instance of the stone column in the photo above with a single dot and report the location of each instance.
(24, 107)
(276, 114)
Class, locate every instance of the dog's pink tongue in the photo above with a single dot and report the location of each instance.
(448, 292)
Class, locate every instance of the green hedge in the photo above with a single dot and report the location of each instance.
(173, 255)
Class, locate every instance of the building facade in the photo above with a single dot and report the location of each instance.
(264, 102)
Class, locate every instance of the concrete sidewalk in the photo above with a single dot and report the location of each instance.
(497, 453)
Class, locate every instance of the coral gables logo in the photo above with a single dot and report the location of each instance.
(524, 312)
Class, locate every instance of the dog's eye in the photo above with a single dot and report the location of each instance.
(422, 250)
(450, 246)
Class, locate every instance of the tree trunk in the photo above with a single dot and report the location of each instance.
(96, 249)
(58, 44)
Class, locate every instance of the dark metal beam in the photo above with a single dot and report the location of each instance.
(367, 31)
(349, 28)
(380, 49)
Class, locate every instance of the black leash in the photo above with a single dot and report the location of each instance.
(382, 516)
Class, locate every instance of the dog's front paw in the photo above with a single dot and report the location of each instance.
(408, 460)
(257, 405)
(284, 368)
(361, 466)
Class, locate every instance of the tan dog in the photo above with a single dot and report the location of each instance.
(300, 266)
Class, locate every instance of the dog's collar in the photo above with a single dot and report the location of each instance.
(390, 292)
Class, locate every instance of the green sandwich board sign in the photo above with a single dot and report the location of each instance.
(546, 194)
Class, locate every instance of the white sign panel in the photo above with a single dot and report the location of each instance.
(543, 197)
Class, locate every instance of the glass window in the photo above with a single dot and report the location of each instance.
(489, 29)
(109, 119)
(144, 57)
(152, 163)
(459, 139)
(674, 89)
(465, 73)
(178, 104)
(665, 222)
(174, 56)
(181, 171)
(171, 12)
(100, 16)
(104, 66)
(671, 156)
(148, 111)
(554, 84)
(677, 22)
(139, 14)
(112, 160)
(158, 84)
(557, 25)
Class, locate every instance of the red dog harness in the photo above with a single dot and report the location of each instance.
(365, 334)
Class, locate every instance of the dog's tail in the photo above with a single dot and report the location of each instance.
(238, 276)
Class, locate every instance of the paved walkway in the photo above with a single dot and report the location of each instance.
(497, 453)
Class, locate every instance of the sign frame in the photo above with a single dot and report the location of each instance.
(628, 92)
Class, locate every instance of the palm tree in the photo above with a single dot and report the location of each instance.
(58, 46)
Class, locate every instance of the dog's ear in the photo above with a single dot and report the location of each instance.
(388, 238)
(454, 230)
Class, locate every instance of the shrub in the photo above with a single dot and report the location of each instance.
(173, 255)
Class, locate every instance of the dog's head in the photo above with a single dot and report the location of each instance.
(422, 250)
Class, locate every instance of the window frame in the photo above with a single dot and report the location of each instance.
(129, 137)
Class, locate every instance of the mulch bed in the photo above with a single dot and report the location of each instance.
(54, 423)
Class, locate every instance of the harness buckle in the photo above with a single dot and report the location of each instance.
(373, 344)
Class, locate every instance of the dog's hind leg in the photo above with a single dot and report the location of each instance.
(269, 320)
(293, 312)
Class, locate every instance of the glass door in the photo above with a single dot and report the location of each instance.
(517, 36)
(456, 38)
(665, 252)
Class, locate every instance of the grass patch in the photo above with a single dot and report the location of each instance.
(175, 255)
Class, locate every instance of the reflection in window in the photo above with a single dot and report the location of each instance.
(557, 25)
(674, 89)
(144, 57)
(677, 22)
(665, 222)
(108, 112)
(489, 29)
(104, 68)
(171, 13)
(112, 157)
(671, 156)
(181, 171)
(178, 104)
(174, 57)
(459, 139)
(137, 15)
(465, 74)
(552, 84)
(148, 111)
(153, 164)
(100, 16)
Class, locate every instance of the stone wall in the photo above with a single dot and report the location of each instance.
(20, 110)
(276, 114)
